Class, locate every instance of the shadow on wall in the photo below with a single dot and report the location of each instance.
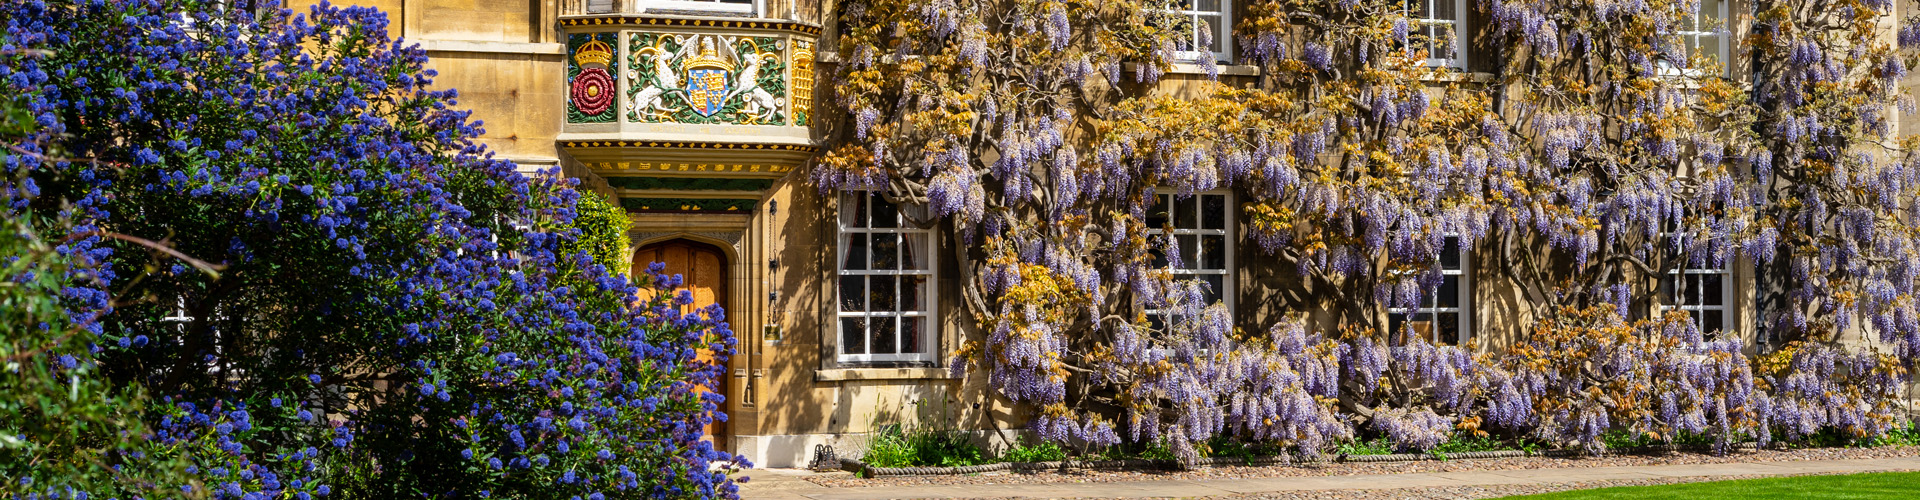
(790, 402)
(1272, 290)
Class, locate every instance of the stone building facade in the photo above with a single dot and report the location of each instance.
(701, 117)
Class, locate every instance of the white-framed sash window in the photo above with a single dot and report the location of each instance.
(1703, 293)
(1445, 313)
(1202, 226)
(886, 283)
(731, 6)
(1202, 20)
(1440, 27)
(1704, 34)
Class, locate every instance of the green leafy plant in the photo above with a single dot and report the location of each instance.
(1030, 451)
(1369, 447)
(935, 442)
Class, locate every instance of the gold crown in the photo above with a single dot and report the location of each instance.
(708, 59)
(594, 52)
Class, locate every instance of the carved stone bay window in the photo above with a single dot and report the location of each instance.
(678, 112)
(885, 283)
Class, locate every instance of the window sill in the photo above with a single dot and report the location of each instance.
(1189, 68)
(854, 374)
(1458, 76)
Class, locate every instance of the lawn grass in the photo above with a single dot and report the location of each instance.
(1846, 487)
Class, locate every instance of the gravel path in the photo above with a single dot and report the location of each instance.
(845, 480)
(1482, 491)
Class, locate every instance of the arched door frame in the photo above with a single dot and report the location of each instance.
(728, 296)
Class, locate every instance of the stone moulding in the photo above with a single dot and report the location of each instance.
(860, 468)
(683, 22)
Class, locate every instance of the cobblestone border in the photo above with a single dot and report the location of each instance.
(863, 470)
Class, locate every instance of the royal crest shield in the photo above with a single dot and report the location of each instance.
(707, 90)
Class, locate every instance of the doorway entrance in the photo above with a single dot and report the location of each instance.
(703, 271)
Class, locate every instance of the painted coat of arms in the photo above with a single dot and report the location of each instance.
(706, 79)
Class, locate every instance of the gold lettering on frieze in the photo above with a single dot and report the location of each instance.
(683, 167)
(626, 165)
(701, 167)
(646, 166)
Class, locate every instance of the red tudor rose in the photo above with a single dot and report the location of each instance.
(593, 91)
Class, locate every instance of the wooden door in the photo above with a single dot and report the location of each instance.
(703, 270)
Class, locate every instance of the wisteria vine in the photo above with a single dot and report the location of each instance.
(1583, 153)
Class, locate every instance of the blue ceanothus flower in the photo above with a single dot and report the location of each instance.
(395, 312)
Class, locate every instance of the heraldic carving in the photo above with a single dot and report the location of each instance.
(590, 88)
(681, 78)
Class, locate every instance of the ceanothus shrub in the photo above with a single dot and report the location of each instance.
(374, 306)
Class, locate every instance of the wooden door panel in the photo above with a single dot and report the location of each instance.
(703, 271)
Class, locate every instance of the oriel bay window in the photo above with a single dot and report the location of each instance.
(886, 283)
(1443, 317)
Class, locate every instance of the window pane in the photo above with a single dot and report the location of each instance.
(1213, 251)
(853, 293)
(1157, 215)
(1443, 9)
(1710, 47)
(884, 340)
(1420, 326)
(1189, 251)
(913, 254)
(881, 296)
(1449, 292)
(885, 214)
(1159, 254)
(853, 335)
(1216, 31)
(1206, 5)
(911, 334)
(1450, 253)
(856, 259)
(1712, 292)
(1711, 323)
(911, 298)
(1183, 213)
(1216, 286)
(1447, 328)
(853, 213)
(1213, 211)
(886, 251)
